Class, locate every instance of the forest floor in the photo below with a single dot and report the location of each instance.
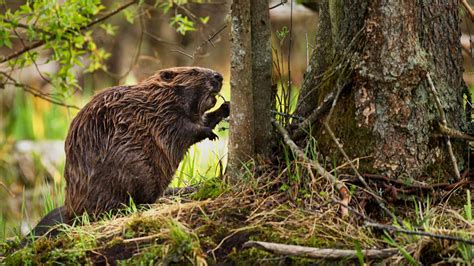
(212, 224)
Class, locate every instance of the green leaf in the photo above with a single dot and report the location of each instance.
(109, 28)
(204, 20)
(129, 15)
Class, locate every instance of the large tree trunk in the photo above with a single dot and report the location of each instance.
(387, 111)
(251, 90)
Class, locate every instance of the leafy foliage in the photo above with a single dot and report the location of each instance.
(64, 31)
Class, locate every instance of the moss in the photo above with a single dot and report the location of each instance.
(346, 130)
(210, 189)
(45, 251)
(142, 226)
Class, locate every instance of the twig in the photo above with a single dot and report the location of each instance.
(136, 56)
(42, 42)
(229, 236)
(421, 233)
(290, 82)
(378, 199)
(320, 253)
(6, 188)
(444, 186)
(29, 54)
(179, 190)
(444, 123)
(282, 2)
(343, 191)
(182, 52)
(468, 9)
(297, 117)
(315, 115)
(454, 133)
(158, 39)
(207, 41)
(35, 92)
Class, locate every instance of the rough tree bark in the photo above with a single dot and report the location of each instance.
(251, 88)
(386, 110)
(263, 95)
(241, 127)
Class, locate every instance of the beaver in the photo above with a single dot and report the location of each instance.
(128, 141)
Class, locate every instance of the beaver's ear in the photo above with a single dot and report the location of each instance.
(167, 75)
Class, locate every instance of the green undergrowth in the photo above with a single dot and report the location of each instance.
(211, 225)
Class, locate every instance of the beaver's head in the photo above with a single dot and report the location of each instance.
(198, 86)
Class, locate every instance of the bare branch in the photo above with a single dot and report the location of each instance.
(454, 133)
(421, 233)
(445, 124)
(320, 253)
(35, 92)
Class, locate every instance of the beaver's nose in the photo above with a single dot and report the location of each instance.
(218, 77)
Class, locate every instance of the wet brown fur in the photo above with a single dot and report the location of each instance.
(127, 141)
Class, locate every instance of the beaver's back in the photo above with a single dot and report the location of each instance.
(112, 153)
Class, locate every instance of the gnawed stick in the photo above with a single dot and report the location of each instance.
(343, 191)
(421, 233)
(444, 123)
(320, 253)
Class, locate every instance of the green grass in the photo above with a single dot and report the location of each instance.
(31, 118)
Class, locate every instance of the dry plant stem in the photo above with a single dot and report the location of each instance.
(41, 43)
(444, 186)
(420, 233)
(445, 124)
(343, 191)
(6, 189)
(379, 200)
(171, 191)
(468, 9)
(315, 115)
(320, 253)
(454, 133)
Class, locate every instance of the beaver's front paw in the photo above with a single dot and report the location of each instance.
(224, 109)
(211, 135)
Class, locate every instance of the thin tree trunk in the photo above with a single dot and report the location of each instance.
(252, 97)
(263, 96)
(241, 128)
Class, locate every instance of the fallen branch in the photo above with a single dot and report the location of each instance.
(445, 124)
(320, 253)
(343, 191)
(421, 233)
